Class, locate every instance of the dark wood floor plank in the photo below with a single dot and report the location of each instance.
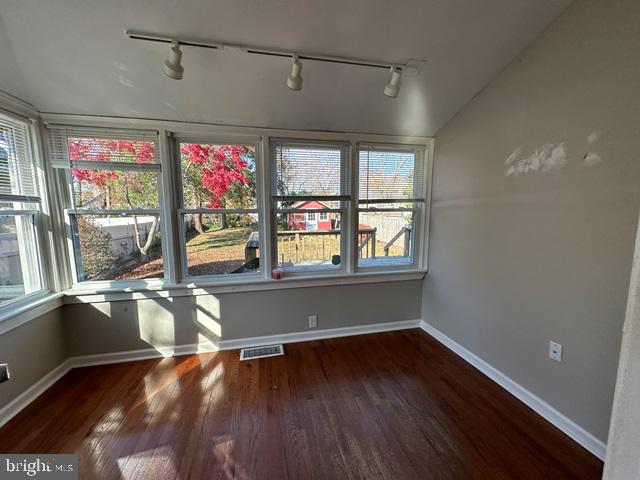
(389, 405)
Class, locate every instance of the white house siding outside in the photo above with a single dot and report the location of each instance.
(10, 270)
(122, 233)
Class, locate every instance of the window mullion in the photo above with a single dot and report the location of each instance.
(265, 206)
(167, 193)
(61, 275)
(43, 222)
(351, 233)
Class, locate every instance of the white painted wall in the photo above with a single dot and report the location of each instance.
(160, 322)
(535, 206)
(623, 452)
(32, 350)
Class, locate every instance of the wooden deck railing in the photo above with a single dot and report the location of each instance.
(406, 231)
(301, 245)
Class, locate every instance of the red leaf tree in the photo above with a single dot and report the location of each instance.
(217, 176)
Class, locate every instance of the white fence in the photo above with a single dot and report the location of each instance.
(387, 225)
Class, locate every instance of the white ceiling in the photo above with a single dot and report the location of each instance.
(71, 56)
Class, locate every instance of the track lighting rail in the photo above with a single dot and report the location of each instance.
(152, 37)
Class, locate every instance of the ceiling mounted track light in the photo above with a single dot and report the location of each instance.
(294, 80)
(392, 87)
(172, 67)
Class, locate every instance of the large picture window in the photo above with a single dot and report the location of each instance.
(114, 216)
(20, 202)
(310, 192)
(390, 199)
(219, 210)
(191, 208)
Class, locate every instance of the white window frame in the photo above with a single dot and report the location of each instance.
(418, 208)
(181, 210)
(344, 197)
(71, 212)
(323, 216)
(176, 284)
(38, 216)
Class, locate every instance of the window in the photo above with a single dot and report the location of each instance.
(114, 212)
(308, 175)
(219, 209)
(20, 202)
(390, 197)
(208, 225)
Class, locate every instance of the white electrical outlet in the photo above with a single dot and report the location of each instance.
(313, 321)
(555, 351)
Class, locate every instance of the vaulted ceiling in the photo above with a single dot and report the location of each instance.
(72, 56)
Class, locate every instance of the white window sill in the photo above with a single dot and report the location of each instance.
(15, 314)
(159, 289)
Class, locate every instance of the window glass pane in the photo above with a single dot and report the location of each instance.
(114, 247)
(219, 244)
(17, 170)
(308, 204)
(384, 238)
(306, 170)
(115, 148)
(302, 244)
(389, 174)
(218, 176)
(19, 265)
(115, 189)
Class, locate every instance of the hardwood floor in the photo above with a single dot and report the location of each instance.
(390, 405)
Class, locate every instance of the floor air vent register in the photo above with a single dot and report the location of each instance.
(261, 352)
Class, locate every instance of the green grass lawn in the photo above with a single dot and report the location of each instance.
(218, 251)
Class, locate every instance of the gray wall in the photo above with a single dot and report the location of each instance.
(623, 446)
(128, 325)
(31, 350)
(535, 205)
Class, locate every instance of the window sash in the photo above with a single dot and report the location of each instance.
(181, 210)
(29, 254)
(387, 196)
(313, 268)
(344, 182)
(343, 196)
(59, 157)
(184, 260)
(18, 170)
(381, 259)
(59, 136)
(74, 240)
(390, 193)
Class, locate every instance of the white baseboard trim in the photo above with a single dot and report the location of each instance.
(542, 408)
(14, 407)
(215, 346)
